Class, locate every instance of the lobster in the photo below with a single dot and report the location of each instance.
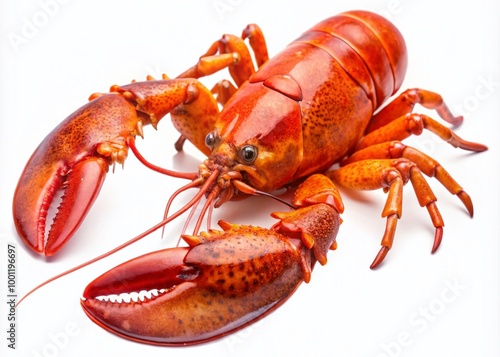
(318, 104)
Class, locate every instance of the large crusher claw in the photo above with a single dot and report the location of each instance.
(224, 281)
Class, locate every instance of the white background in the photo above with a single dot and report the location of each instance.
(83, 47)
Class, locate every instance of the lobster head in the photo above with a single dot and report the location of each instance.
(265, 154)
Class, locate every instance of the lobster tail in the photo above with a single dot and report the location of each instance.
(391, 40)
(380, 50)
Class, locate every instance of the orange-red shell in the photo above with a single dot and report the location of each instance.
(307, 107)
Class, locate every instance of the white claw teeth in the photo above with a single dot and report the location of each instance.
(146, 295)
(133, 297)
(110, 298)
(126, 298)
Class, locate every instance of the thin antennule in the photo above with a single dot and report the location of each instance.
(209, 202)
(193, 209)
(194, 200)
(209, 216)
(102, 256)
(186, 223)
(192, 184)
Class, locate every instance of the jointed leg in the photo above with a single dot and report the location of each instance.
(232, 52)
(413, 124)
(404, 103)
(223, 91)
(229, 52)
(391, 175)
(257, 42)
(426, 164)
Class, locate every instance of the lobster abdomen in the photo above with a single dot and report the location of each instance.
(377, 59)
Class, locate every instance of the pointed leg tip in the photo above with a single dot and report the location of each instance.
(179, 144)
(470, 209)
(458, 120)
(380, 257)
(438, 237)
(470, 146)
(467, 201)
(481, 148)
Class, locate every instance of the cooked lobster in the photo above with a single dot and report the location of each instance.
(314, 107)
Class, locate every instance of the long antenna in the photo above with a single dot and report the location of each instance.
(195, 199)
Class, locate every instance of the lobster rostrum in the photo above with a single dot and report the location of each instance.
(310, 107)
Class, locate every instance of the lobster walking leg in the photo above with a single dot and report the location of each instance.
(391, 175)
(382, 143)
(257, 42)
(426, 164)
(224, 89)
(404, 104)
(413, 124)
(229, 52)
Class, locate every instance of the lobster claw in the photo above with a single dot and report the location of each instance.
(35, 192)
(76, 155)
(224, 281)
(197, 294)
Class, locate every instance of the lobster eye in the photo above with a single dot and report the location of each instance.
(211, 139)
(248, 154)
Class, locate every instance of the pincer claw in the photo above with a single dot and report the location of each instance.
(81, 185)
(224, 281)
(74, 158)
(197, 294)
(37, 189)
(76, 155)
(81, 188)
